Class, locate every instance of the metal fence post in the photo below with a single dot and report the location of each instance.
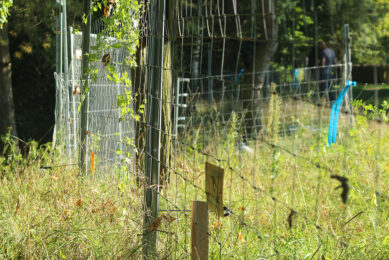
(84, 83)
(153, 134)
(57, 36)
(66, 81)
(60, 123)
(72, 79)
(57, 68)
(348, 68)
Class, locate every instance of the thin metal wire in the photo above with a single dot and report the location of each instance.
(212, 42)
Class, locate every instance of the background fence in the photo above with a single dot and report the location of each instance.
(298, 86)
(212, 98)
(107, 135)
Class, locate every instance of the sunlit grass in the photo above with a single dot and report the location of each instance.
(262, 187)
(56, 213)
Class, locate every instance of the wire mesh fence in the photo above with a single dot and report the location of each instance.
(108, 136)
(296, 88)
(216, 94)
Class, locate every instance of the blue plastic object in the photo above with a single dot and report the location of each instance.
(239, 75)
(333, 127)
(351, 83)
(296, 73)
(231, 76)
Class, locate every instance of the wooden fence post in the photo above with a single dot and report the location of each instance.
(199, 234)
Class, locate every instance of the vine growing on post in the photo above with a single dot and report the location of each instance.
(120, 30)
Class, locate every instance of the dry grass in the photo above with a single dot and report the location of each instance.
(56, 213)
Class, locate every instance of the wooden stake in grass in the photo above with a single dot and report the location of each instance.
(199, 227)
(214, 188)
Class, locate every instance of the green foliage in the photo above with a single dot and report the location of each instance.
(293, 21)
(120, 31)
(368, 21)
(12, 157)
(369, 24)
(372, 112)
(370, 33)
(4, 11)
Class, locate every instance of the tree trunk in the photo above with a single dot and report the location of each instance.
(7, 112)
(195, 65)
(166, 126)
(140, 90)
(252, 83)
(167, 81)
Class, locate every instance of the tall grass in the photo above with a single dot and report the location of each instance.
(52, 212)
(262, 188)
(55, 213)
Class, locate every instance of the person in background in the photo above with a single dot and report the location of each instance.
(327, 59)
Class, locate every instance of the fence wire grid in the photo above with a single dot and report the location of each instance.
(217, 91)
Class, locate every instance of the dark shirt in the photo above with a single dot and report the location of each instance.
(329, 55)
